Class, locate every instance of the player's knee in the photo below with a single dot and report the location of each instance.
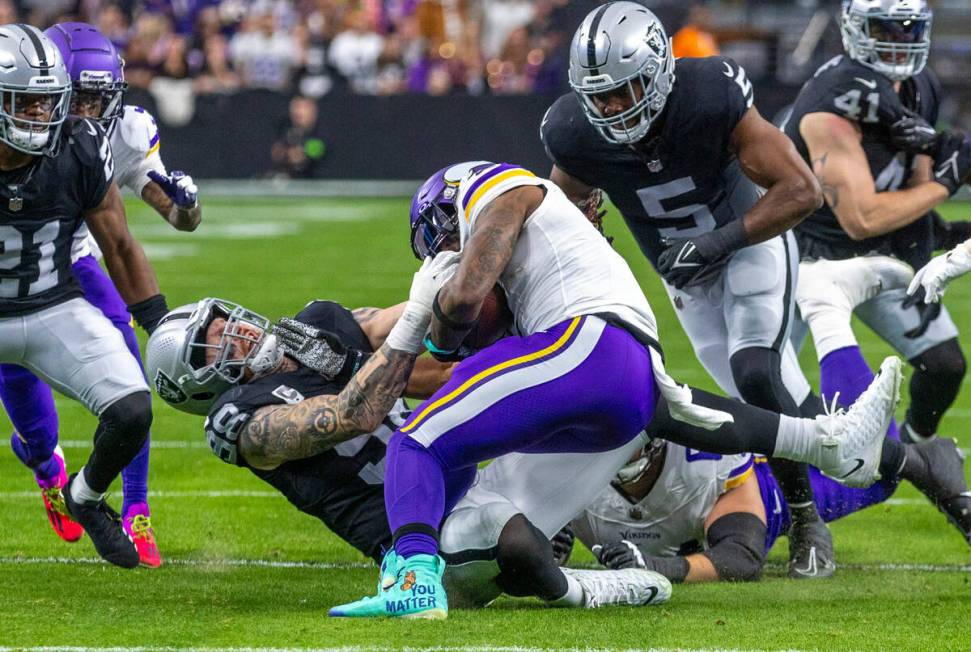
(736, 547)
(526, 564)
(130, 415)
(758, 377)
(945, 363)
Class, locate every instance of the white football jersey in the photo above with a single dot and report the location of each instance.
(674, 512)
(561, 266)
(134, 148)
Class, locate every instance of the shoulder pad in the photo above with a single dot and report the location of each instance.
(87, 138)
(559, 128)
(853, 91)
(486, 182)
(138, 129)
(714, 81)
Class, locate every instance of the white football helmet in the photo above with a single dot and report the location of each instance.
(892, 37)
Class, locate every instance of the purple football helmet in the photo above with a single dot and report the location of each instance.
(95, 67)
(434, 218)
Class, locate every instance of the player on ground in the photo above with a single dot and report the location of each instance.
(696, 517)
(582, 379)
(97, 76)
(58, 174)
(681, 151)
(863, 121)
(279, 423)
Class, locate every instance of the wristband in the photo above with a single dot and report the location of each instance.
(722, 241)
(149, 313)
(434, 350)
(446, 321)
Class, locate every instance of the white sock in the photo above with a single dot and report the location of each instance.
(81, 492)
(573, 596)
(797, 440)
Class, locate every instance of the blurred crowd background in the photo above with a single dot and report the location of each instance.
(178, 51)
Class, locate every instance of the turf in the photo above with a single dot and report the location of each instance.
(244, 569)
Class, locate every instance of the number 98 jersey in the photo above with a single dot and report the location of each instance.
(343, 487)
(852, 91)
(41, 206)
(683, 179)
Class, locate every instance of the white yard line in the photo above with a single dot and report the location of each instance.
(356, 648)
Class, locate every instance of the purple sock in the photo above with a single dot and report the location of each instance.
(846, 371)
(30, 406)
(414, 493)
(134, 479)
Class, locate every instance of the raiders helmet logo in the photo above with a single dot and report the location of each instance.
(167, 390)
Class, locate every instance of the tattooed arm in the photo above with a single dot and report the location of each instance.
(840, 164)
(377, 322)
(279, 433)
(483, 259)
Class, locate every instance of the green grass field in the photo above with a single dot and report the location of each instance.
(243, 569)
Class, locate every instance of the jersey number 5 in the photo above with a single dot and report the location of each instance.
(33, 251)
(686, 220)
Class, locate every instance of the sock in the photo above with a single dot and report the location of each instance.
(415, 543)
(134, 478)
(844, 371)
(81, 492)
(796, 440)
(573, 596)
(43, 470)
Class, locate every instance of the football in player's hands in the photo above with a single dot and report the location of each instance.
(493, 322)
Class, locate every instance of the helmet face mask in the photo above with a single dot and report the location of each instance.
(189, 372)
(892, 37)
(621, 53)
(434, 214)
(35, 90)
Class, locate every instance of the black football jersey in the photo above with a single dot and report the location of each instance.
(683, 179)
(343, 487)
(40, 209)
(850, 90)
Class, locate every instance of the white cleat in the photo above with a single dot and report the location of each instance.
(630, 586)
(851, 442)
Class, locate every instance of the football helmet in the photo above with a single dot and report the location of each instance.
(176, 353)
(94, 65)
(893, 37)
(31, 71)
(434, 217)
(620, 46)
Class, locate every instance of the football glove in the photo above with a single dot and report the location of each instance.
(933, 277)
(178, 186)
(913, 134)
(952, 160)
(563, 545)
(318, 349)
(619, 555)
(927, 312)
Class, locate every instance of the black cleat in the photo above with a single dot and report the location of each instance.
(811, 554)
(103, 525)
(941, 479)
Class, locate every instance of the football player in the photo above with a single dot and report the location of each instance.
(710, 190)
(97, 75)
(571, 392)
(57, 174)
(312, 424)
(695, 517)
(864, 121)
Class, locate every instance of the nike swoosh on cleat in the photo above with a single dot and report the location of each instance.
(859, 463)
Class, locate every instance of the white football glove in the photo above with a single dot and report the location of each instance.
(428, 280)
(935, 275)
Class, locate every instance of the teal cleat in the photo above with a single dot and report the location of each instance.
(415, 592)
(389, 571)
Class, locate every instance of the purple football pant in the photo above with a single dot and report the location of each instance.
(30, 402)
(844, 371)
(583, 386)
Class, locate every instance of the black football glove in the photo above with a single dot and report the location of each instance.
(913, 134)
(688, 261)
(563, 545)
(318, 349)
(928, 312)
(620, 555)
(952, 160)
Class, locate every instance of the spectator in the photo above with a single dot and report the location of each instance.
(8, 12)
(695, 39)
(297, 151)
(216, 75)
(264, 56)
(355, 52)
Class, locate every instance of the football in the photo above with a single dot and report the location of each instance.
(494, 321)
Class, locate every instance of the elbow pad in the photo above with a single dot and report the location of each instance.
(736, 547)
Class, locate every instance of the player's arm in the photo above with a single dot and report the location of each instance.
(769, 158)
(587, 198)
(176, 198)
(127, 265)
(484, 257)
(428, 375)
(841, 166)
(279, 433)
